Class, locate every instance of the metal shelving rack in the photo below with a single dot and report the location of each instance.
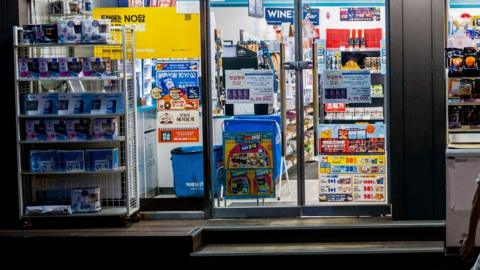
(119, 187)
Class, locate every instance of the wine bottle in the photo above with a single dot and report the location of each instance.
(350, 40)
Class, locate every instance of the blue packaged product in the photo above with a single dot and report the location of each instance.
(104, 129)
(53, 67)
(43, 68)
(69, 31)
(36, 130)
(75, 67)
(71, 161)
(95, 31)
(43, 161)
(101, 159)
(74, 103)
(77, 129)
(60, 129)
(39, 104)
(107, 103)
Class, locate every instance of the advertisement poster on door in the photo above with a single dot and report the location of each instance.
(352, 188)
(352, 138)
(374, 164)
(176, 88)
(249, 165)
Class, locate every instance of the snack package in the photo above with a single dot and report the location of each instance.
(470, 62)
(455, 62)
(454, 117)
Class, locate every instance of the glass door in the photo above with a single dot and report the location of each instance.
(352, 137)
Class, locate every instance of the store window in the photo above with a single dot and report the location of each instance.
(327, 153)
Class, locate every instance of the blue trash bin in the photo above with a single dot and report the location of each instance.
(187, 163)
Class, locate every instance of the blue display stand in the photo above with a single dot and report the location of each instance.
(266, 124)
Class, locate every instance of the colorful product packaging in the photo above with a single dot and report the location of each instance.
(59, 129)
(75, 66)
(77, 129)
(72, 103)
(43, 68)
(69, 31)
(104, 129)
(43, 161)
(71, 160)
(53, 66)
(41, 104)
(107, 103)
(85, 200)
(101, 159)
(95, 31)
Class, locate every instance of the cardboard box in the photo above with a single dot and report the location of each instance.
(95, 31)
(71, 103)
(105, 129)
(75, 66)
(28, 68)
(71, 161)
(85, 200)
(40, 104)
(43, 161)
(77, 129)
(101, 159)
(69, 31)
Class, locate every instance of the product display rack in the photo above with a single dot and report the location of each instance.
(119, 194)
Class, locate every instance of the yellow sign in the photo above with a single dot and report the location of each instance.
(160, 31)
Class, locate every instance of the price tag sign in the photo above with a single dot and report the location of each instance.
(249, 87)
(347, 86)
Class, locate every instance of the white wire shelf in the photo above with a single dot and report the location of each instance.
(118, 139)
(113, 171)
(113, 115)
(101, 78)
(110, 211)
(80, 45)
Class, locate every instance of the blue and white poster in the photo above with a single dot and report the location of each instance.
(287, 15)
(347, 86)
(175, 74)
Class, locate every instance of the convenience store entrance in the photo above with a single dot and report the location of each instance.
(303, 129)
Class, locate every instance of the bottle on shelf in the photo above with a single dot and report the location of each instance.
(356, 40)
(362, 39)
(350, 40)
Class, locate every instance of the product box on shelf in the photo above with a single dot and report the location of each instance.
(95, 31)
(41, 104)
(74, 103)
(71, 160)
(53, 66)
(105, 129)
(77, 129)
(44, 33)
(43, 161)
(28, 68)
(85, 200)
(69, 31)
(60, 129)
(101, 159)
(36, 130)
(75, 66)
(96, 67)
(107, 103)
(43, 68)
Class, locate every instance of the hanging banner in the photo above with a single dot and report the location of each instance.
(369, 14)
(249, 86)
(278, 16)
(249, 165)
(347, 86)
(160, 32)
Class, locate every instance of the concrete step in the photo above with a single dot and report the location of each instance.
(318, 249)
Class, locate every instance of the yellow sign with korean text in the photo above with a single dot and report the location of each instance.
(160, 31)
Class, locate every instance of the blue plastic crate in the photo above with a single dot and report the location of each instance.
(187, 165)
